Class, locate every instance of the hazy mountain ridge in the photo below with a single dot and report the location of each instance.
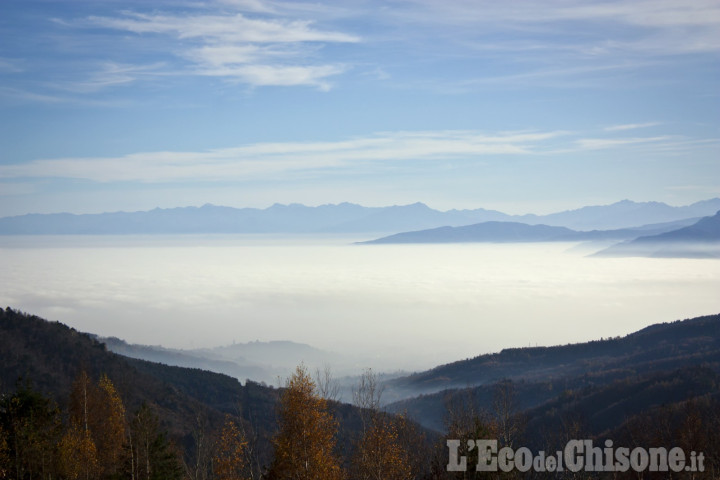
(513, 232)
(700, 240)
(689, 238)
(257, 361)
(338, 218)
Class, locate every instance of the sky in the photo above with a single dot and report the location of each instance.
(523, 106)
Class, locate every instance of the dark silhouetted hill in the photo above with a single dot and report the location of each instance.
(545, 374)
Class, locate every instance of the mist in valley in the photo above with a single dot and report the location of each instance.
(389, 307)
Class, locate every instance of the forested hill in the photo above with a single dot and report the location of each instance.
(50, 355)
(47, 364)
(602, 384)
(666, 343)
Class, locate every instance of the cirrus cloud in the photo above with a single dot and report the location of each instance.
(269, 159)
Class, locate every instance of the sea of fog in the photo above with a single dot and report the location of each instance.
(395, 306)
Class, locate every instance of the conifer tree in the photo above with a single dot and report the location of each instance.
(152, 456)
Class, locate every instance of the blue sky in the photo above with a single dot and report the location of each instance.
(523, 106)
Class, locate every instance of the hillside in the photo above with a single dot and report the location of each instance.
(50, 355)
(579, 376)
(661, 342)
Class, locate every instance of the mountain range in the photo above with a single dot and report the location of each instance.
(691, 238)
(340, 218)
(699, 240)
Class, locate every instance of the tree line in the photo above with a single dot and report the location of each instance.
(95, 437)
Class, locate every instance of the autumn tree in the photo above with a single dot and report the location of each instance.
(78, 454)
(229, 461)
(4, 455)
(97, 424)
(110, 427)
(78, 451)
(379, 453)
(304, 446)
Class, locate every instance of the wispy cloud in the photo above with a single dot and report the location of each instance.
(112, 74)
(8, 65)
(559, 43)
(694, 26)
(19, 94)
(603, 143)
(630, 126)
(269, 159)
(232, 28)
(257, 51)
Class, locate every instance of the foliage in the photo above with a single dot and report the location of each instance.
(230, 462)
(305, 444)
(78, 454)
(379, 454)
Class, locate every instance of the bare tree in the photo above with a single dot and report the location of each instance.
(367, 395)
(326, 385)
(509, 423)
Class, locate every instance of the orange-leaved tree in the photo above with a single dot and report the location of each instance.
(379, 453)
(229, 461)
(305, 443)
(97, 428)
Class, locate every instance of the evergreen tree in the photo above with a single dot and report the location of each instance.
(32, 427)
(151, 456)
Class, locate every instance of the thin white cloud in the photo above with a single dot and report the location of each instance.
(8, 65)
(265, 160)
(655, 27)
(630, 126)
(112, 74)
(603, 143)
(18, 94)
(284, 76)
(223, 28)
(256, 51)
